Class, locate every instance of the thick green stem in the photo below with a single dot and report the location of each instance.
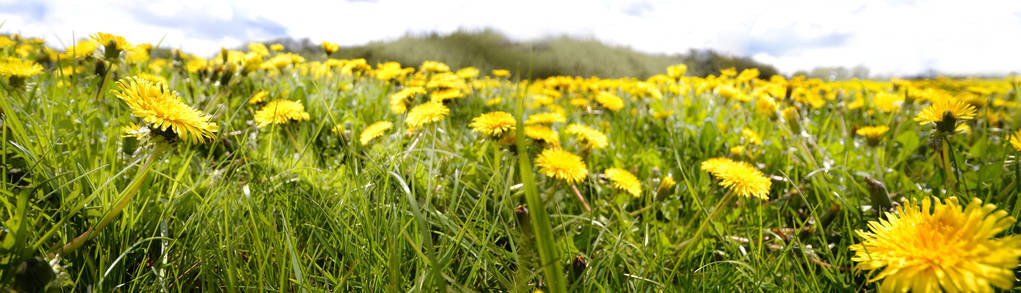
(949, 180)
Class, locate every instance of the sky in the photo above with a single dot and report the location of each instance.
(889, 37)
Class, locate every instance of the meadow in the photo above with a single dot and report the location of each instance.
(259, 170)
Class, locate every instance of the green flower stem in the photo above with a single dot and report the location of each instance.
(950, 181)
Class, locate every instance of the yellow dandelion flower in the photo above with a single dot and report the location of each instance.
(113, 44)
(493, 123)
(501, 73)
(856, 104)
(873, 134)
(160, 107)
(950, 248)
(592, 137)
(329, 47)
(560, 164)
(433, 66)
(766, 105)
(543, 133)
(609, 101)
(426, 113)
(888, 102)
(258, 97)
(676, 71)
(545, 118)
(1015, 140)
(280, 112)
(666, 183)
(20, 69)
(373, 131)
(277, 47)
(399, 100)
(740, 177)
(624, 181)
(945, 113)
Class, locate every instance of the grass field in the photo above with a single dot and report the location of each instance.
(260, 195)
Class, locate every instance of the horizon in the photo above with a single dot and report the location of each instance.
(890, 38)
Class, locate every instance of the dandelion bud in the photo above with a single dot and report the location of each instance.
(880, 197)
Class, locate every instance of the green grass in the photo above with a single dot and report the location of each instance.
(297, 208)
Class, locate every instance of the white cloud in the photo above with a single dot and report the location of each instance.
(891, 37)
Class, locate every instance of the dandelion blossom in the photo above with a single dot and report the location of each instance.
(609, 101)
(624, 181)
(330, 47)
(160, 107)
(950, 248)
(560, 164)
(373, 131)
(20, 69)
(280, 112)
(739, 177)
(1015, 140)
(426, 113)
(872, 134)
(589, 135)
(543, 133)
(493, 123)
(399, 100)
(258, 97)
(501, 73)
(945, 113)
(545, 118)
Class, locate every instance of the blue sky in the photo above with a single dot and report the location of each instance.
(889, 37)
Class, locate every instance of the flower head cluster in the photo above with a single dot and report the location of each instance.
(426, 113)
(940, 245)
(399, 100)
(543, 133)
(624, 181)
(592, 137)
(946, 113)
(1015, 140)
(280, 112)
(739, 177)
(873, 134)
(609, 101)
(560, 164)
(161, 108)
(20, 69)
(545, 118)
(493, 123)
(373, 131)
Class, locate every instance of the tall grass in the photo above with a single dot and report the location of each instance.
(297, 207)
